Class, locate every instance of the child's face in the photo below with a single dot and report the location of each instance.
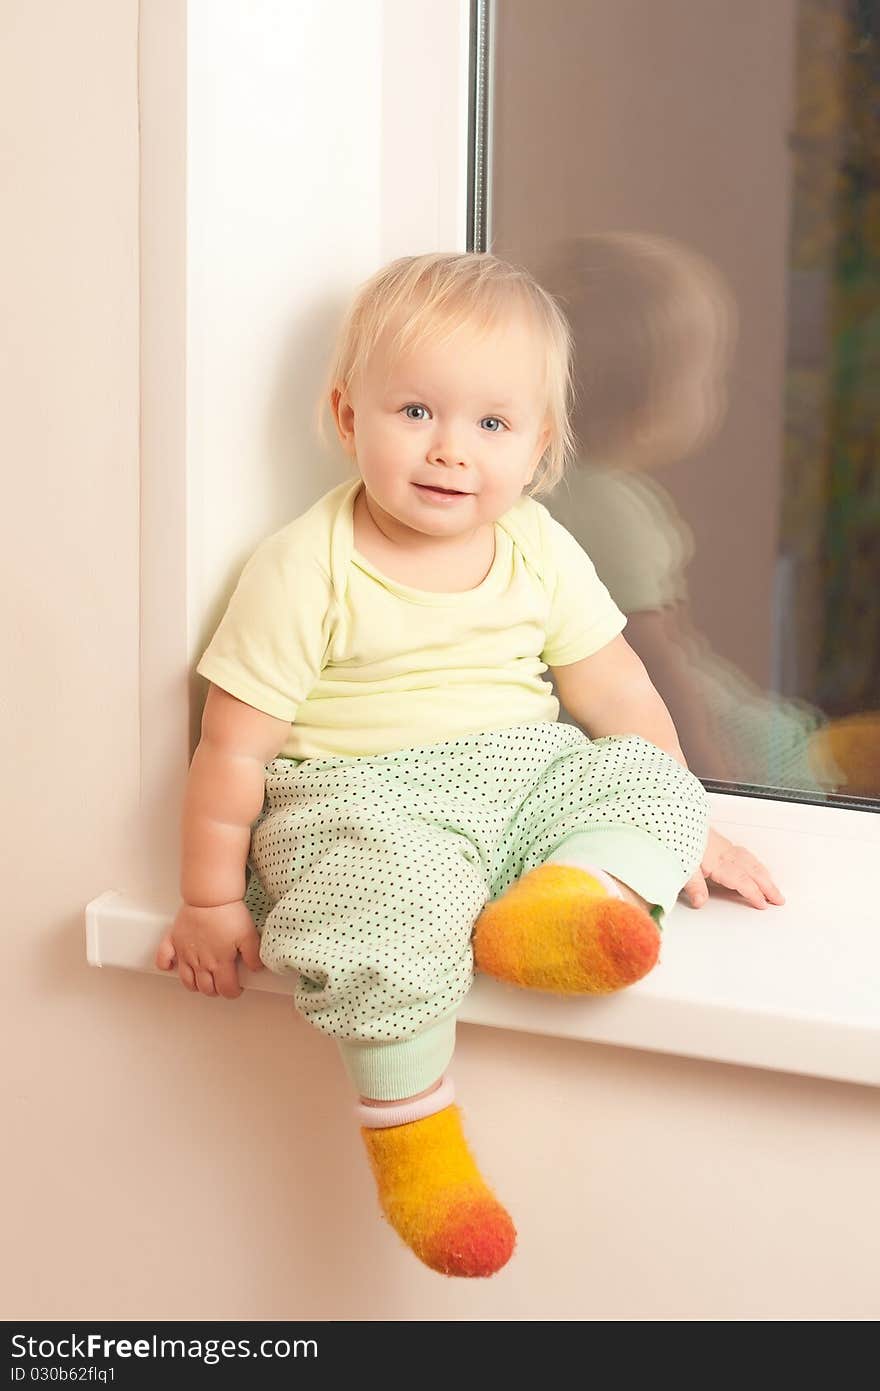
(467, 415)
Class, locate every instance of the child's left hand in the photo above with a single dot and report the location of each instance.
(735, 868)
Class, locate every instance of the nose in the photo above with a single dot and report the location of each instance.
(447, 452)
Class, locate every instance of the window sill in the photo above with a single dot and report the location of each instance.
(795, 989)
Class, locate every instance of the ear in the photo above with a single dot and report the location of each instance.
(343, 416)
(540, 450)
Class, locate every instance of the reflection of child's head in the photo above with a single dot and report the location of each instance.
(653, 323)
(422, 302)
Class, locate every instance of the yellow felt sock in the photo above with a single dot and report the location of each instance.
(432, 1193)
(558, 929)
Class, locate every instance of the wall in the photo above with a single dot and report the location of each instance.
(175, 1157)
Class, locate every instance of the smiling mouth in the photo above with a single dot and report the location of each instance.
(431, 488)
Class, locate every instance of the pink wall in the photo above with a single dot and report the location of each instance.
(171, 1157)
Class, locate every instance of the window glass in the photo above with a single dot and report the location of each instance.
(699, 184)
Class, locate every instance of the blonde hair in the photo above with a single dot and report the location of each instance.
(430, 297)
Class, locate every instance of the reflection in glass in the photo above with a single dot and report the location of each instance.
(728, 479)
(653, 326)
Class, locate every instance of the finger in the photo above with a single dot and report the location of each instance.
(696, 891)
(250, 953)
(734, 876)
(758, 873)
(165, 954)
(226, 980)
(761, 875)
(205, 981)
(196, 975)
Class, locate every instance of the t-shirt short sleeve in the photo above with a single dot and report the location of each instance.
(270, 645)
(583, 617)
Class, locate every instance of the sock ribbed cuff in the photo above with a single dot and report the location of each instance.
(379, 1117)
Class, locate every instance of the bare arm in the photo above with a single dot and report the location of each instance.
(610, 692)
(223, 797)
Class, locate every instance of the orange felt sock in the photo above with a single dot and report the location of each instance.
(432, 1193)
(558, 929)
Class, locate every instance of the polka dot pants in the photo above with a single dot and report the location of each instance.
(369, 873)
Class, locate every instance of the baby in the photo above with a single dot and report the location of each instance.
(380, 748)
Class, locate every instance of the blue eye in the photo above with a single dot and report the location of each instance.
(407, 410)
(493, 424)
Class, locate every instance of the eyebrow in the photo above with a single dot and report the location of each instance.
(408, 390)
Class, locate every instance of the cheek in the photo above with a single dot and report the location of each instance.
(371, 438)
(383, 448)
(515, 456)
(386, 435)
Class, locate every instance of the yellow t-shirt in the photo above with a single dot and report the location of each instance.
(362, 664)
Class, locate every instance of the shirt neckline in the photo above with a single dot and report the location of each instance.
(487, 586)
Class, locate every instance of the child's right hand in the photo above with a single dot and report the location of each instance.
(204, 943)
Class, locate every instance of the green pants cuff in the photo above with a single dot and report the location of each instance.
(632, 856)
(397, 1070)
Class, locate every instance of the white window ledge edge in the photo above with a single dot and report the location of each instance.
(792, 989)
